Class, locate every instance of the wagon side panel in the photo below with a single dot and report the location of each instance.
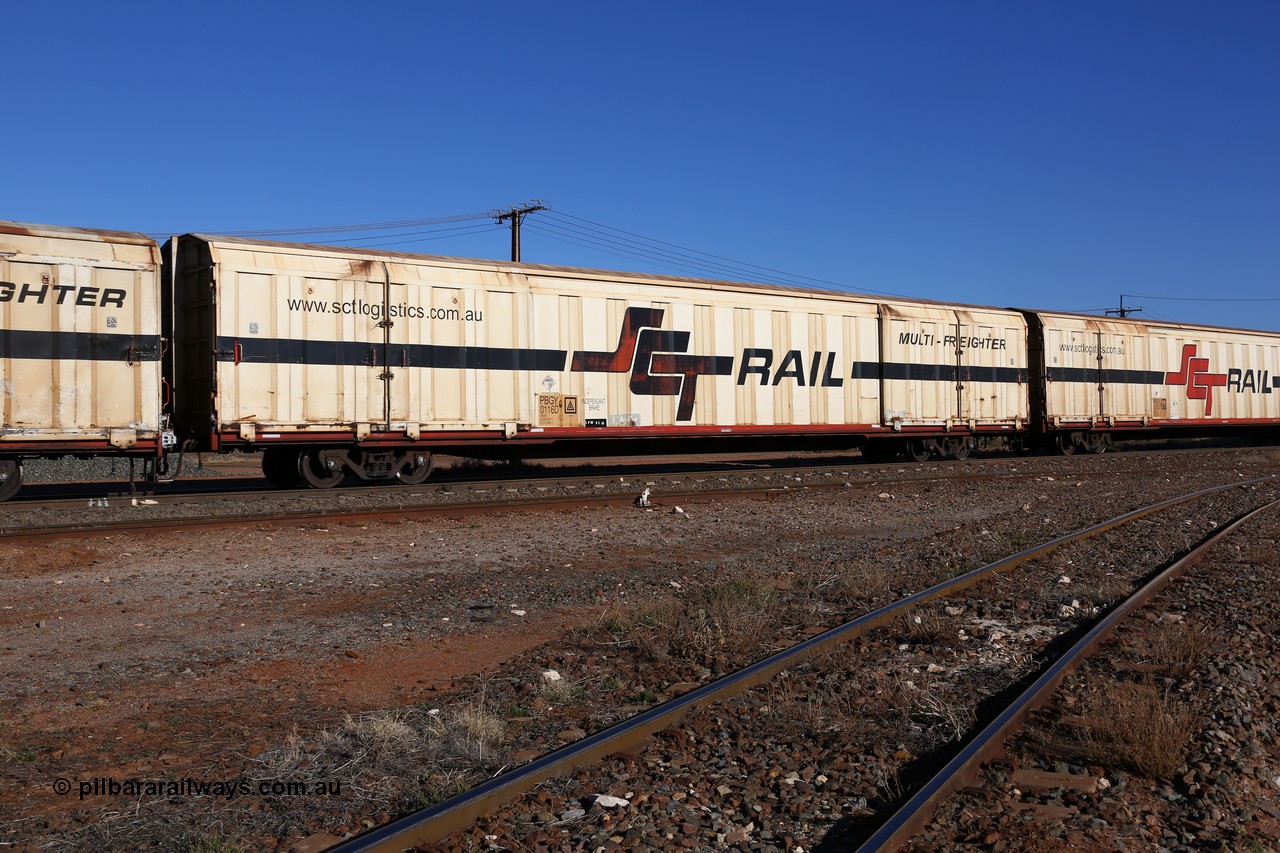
(79, 341)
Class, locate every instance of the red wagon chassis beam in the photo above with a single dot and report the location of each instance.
(1129, 423)
(227, 439)
(145, 448)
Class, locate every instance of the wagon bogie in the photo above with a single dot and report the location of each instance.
(323, 467)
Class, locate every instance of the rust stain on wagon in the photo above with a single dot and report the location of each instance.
(1112, 325)
(365, 269)
(26, 229)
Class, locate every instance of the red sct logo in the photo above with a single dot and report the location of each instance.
(1194, 374)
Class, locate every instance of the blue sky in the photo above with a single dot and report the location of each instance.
(1005, 153)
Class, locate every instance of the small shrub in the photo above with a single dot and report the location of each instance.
(651, 633)
(561, 691)
(726, 618)
(213, 844)
(438, 787)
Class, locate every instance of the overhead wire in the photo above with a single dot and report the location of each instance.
(566, 237)
(365, 226)
(742, 269)
(1205, 298)
(1164, 317)
(622, 249)
(470, 229)
(609, 240)
(562, 227)
(577, 230)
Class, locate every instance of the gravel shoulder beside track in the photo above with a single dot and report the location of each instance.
(201, 654)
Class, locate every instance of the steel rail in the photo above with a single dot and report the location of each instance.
(437, 822)
(300, 517)
(859, 472)
(988, 744)
(408, 508)
(236, 492)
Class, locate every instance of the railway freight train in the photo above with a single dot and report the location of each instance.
(342, 363)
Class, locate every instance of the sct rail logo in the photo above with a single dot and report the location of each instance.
(1194, 374)
(657, 360)
(1199, 381)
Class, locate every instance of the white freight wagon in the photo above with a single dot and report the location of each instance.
(80, 345)
(953, 373)
(1105, 376)
(340, 360)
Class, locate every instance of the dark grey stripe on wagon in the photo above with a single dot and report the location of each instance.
(938, 372)
(1108, 376)
(371, 354)
(78, 346)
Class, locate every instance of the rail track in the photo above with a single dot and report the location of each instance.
(630, 737)
(989, 743)
(242, 480)
(372, 624)
(226, 503)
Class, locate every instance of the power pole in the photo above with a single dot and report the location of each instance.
(1122, 311)
(516, 215)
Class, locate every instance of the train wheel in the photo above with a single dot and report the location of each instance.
(919, 449)
(10, 478)
(280, 467)
(417, 467)
(961, 449)
(318, 472)
(1064, 443)
(1096, 442)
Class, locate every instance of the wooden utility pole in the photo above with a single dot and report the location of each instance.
(516, 215)
(1122, 311)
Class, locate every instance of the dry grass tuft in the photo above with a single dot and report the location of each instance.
(476, 732)
(213, 844)
(873, 693)
(1141, 727)
(560, 691)
(843, 585)
(950, 717)
(927, 627)
(382, 755)
(1179, 649)
(724, 619)
(1106, 592)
